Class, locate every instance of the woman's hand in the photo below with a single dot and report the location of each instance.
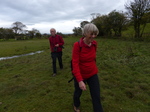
(82, 85)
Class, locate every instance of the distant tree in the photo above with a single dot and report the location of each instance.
(33, 33)
(138, 11)
(117, 20)
(6, 33)
(18, 27)
(25, 34)
(83, 23)
(95, 15)
(77, 31)
(102, 23)
(38, 35)
(45, 35)
(59, 33)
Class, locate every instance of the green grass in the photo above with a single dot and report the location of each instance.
(10, 48)
(26, 84)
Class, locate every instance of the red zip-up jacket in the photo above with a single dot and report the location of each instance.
(84, 60)
(53, 40)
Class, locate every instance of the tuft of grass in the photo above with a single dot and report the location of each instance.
(27, 85)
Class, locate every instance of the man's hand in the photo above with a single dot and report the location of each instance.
(82, 85)
(57, 45)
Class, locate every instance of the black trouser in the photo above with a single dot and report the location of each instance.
(94, 86)
(55, 55)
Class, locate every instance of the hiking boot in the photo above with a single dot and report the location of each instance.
(54, 74)
(76, 109)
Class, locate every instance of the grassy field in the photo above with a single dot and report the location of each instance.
(11, 48)
(26, 84)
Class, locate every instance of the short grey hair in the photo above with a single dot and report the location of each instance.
(90, 27)
(53, 29)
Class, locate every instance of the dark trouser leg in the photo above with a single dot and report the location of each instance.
(94, 86)
(60, 60)
(54, 56)
(77, 94)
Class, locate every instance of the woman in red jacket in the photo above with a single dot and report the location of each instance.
(85, 69)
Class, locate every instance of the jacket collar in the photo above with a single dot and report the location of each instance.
(81, 42)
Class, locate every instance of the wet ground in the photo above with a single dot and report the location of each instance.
(16, 56)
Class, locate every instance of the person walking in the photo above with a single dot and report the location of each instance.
(56, 44)
(85, 69)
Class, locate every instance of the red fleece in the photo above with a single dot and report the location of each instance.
(83, 60)
(56, 40)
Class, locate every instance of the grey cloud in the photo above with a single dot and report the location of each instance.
(38, 11)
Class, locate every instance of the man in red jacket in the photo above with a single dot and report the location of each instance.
(56, 45)
(85, 69)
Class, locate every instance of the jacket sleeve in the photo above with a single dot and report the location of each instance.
(61, 41)
(75, 62)
(51, 47)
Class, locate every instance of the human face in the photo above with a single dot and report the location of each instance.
(90, 36)
(52, 32)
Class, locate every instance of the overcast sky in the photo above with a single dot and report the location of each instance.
(63, 15)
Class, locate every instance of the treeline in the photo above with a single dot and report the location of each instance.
(112, 25)
(18, 32)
